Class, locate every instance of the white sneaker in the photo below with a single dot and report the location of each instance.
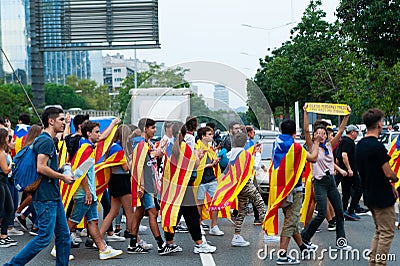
(345, 247)
(202, 231)
(204, 248)
(145, 245)
(54, 254)
(269, 239)
(238, 241)
(115, 238)
(142, 228)
(123, 219)
(14, 232)
(84, 232)
(75, 238)
(159, 219)
(109, 253)
(216, 231)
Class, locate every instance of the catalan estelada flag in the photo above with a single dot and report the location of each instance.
(394, 162)
(174, 184)
(309, 193)
(206, 214)
(116, 156)
(84, 153)
(140, 151)
(230, 185)
(288, 161)
(102, 146)
(210, 153)
(20, 132)
(62, 153)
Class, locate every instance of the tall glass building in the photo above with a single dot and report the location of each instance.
(15, 41)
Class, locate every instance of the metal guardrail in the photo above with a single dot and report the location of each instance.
(93, 113)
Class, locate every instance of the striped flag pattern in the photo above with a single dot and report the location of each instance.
(394, 162)
(139, 153)
(233, 182)
(102, 168)
(283, 178)
(309, 193)
(174, 184)
(20, 132)
(85, 152)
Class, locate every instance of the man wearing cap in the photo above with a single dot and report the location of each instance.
(351, 184)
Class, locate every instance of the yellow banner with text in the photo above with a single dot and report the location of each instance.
(328, 108)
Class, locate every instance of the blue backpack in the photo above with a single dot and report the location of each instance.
(24, 169)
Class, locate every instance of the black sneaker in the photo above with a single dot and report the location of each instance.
(287, 261)
(206, 227)
(34, 231)
(136, 250)
(360, 210)
(89, 242)
(117, 232)
(4, 243)
(10, 241)
(181, 229)
(167, 248)
(22, 223)
(332, 227)
(75, 244)
(127, 234)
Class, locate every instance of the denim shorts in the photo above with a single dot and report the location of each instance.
(207, 187)
(148, 201)
(81, 210)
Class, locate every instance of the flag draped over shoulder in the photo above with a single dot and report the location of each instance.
(210, 153)
(140, 150)
(102, 146)
(84, 153)
(20, 132)
(174, 184)
(63, 153)
(309, 192)
(102, 168)
(288, 162)
(232, 183)
(394, 153)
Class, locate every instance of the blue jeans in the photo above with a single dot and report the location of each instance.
(51, 220)
(323, 189)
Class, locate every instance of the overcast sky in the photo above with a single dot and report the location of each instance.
(211, 30)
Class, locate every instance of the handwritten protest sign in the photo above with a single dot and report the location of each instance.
(327, 108)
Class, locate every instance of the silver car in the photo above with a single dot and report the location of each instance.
(262, 176)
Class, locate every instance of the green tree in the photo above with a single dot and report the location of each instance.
(96, 96)
(373, 27)
(14, 102)
(63, 95)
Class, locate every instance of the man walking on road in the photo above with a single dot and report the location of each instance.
(351, 184)
(46, 199)
(379, 194)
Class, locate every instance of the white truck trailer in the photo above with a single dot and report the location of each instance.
(160, 104)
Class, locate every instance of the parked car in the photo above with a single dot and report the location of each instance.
(262, 177)
(387, 138)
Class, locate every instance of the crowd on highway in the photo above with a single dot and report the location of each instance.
(190, 176)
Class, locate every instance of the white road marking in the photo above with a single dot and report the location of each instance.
(207, 258)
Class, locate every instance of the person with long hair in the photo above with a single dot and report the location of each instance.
(26, 199)
(120, 181)
(188, 206)
(6, 202)
(324, 182)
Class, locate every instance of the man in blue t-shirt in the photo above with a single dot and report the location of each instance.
(46, 199)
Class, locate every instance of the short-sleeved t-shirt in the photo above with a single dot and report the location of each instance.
(371, 155)
(49, 188)
(348, 146)
(208, 174)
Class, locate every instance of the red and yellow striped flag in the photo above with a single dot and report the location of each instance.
(206, 214)
(85, 152)
(139, 154)
(394, 162)
(289, 159)
(233, 182)
(20, 132)
(63, 153)
(102, 146)
(309, 193)
(174, 184)
(102, 168)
